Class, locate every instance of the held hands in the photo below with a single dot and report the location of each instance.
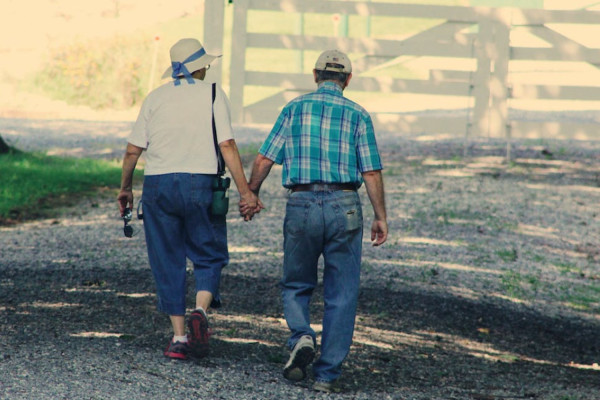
(249, 205)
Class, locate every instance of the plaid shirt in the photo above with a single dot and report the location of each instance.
(322, 137)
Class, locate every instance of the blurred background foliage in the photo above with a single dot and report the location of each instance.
(106, 75)
(114, 72)
(117, 71)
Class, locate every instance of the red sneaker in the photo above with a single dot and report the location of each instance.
(199, 333)
(177, 350)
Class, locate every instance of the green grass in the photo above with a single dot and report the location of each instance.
(583, 297)
(568, 268)
(32, 184)
(248, 150)
(507, 255)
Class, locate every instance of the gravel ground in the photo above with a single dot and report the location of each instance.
(487, 287)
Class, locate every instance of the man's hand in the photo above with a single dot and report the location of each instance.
(379, 232)
(374, 184)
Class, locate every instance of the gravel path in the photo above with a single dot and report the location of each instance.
(77, 317)
(486, 289)
(96, 139)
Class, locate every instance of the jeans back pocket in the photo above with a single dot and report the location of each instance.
(354, 218)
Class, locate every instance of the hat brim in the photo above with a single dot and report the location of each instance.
(192, 66)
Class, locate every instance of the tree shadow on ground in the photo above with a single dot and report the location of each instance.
(406, 339)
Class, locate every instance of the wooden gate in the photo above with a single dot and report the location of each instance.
(471, 100)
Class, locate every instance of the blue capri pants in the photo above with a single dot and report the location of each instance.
(179, 226)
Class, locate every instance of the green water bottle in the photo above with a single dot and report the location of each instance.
(220, 200)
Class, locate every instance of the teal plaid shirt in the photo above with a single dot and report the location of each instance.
(322, 137)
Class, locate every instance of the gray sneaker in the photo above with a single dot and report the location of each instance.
(327, 387)
(302, 355)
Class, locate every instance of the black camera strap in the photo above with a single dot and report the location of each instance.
(220, 161)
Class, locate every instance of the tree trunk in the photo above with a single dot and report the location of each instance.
(3, 146)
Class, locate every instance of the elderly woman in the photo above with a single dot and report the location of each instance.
(179, 126)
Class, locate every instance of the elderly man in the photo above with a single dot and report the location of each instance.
(179, 126)
(327, 146)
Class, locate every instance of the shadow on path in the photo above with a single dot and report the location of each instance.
(405, 339)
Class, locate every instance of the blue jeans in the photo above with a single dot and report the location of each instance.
(178, 225)
(328, 224)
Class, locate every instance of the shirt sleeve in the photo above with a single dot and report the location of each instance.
(366, 148)
(273, 146)
(139, 133)
(222, 111)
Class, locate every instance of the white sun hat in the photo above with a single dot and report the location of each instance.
(187, 55)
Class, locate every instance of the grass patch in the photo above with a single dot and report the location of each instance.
(508, 255)
(511, 284)
(582, 297)
(568, 268)
(248, 153)
(249, 149)
(520, 286)
(34, 184)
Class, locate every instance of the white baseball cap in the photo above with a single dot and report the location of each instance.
(333, 57)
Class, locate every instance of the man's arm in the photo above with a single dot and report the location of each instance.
(374, 184)
(233, 161)
(130, 159)
(260, 171)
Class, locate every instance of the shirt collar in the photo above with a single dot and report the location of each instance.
(330, 87)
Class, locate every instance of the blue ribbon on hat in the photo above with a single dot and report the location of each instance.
(180, 68)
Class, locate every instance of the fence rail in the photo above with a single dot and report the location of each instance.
(478, 35)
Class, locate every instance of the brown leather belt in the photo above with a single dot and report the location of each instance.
(323, 187)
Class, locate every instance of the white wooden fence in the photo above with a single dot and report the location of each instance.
(479, 34)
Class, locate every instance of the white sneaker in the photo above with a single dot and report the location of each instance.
(302, 355)
(327, 387)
